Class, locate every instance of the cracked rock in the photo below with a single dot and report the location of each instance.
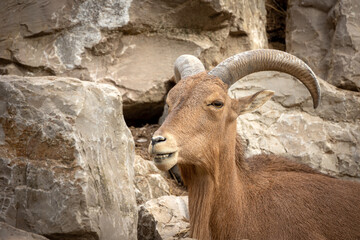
(8, 232)
(149, 180)
(326, 35)
(163, 218)
(327, 139)
(131, 44)
(66, 159)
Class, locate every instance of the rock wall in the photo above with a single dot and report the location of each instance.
(327, 139)
(326, 35)
(66, 159)
(131, 44)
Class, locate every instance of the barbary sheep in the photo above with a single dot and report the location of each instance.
(231, 197)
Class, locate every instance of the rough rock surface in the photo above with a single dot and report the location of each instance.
(327, 138)
(149, 181)
(326, 35)
(130, 43)
(66, 159)
(163, 218)
(8, 232)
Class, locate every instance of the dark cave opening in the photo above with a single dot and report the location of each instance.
(138, 115)
(141, 114)
(276, 23)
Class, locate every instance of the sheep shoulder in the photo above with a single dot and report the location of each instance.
(291, 193)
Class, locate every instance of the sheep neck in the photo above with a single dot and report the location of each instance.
(208, 189)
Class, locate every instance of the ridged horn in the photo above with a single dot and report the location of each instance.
(238, 66)
(187, 65)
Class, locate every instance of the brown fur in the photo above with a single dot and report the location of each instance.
(274, 199)
(262, 197)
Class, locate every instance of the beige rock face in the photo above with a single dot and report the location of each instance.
(8, 232)
(149, 181)
(326, 35)
(130, 43)
(66, 159)
(327, 138)
(163, 218)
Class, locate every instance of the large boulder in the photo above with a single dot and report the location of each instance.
(132, 44)
(327, 139)
(326, 35)
(66, 159)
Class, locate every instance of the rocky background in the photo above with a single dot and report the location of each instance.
(75, 74)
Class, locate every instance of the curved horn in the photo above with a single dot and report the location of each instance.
(242, 64)
(187, 65)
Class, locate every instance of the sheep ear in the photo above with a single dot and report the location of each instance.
(252, 102)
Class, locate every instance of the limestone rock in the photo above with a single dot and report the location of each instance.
(326, 35)
(66, 159)
(149, 181)
(163, 218)
(8, 232)
(144, 70)
(210, 30)
(132, 44)
(327, 138)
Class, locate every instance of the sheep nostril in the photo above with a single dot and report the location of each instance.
(157, 139)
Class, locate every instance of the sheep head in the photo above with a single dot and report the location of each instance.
(202, 117)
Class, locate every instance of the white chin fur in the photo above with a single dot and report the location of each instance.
(167, 163)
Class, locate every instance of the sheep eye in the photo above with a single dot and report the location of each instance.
(217, 104)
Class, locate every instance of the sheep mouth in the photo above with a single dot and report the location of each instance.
(160, 157)
(165, 161)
